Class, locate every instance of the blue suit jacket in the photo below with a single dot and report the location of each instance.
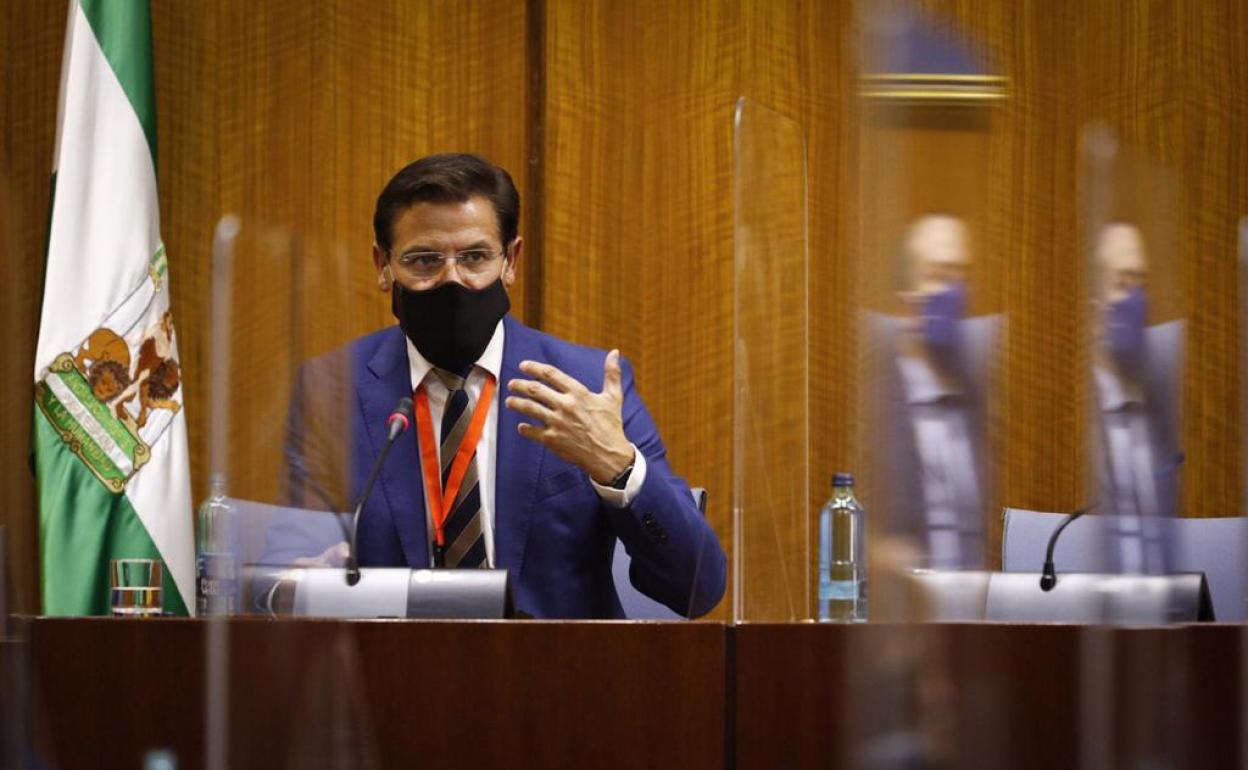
(551, 530)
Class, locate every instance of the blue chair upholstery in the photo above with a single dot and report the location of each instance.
(1217, 547)
(638, 606)
(1025, 537)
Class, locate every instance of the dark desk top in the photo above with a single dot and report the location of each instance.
(401, 693)
(624, 694)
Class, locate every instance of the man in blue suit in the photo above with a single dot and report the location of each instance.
(536, 454)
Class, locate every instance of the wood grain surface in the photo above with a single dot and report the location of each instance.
(293, 117)
(976, 695)
(1026, 257)
(639, 236)
(616, 120)
(30, 64)
(379, 694)
(604, 695)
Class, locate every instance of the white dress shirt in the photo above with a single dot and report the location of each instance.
(490, 364)
(942, 435)
(1128, 455)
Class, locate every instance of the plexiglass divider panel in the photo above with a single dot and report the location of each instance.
(1135, 338)
(277, 507)
(931, 341)
(771, 443)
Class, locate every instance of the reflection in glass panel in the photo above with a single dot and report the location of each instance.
(931, 378)
(1136, 341)
(1134, 335)
(932, 329)
(932, 335)
(280, 434)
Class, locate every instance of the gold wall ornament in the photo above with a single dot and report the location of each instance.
(913, 88)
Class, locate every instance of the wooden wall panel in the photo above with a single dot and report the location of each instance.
(32, 35)
(1168, 80)
(916, 160)
(294, 116)
(1032, 209)
(799, 59)
(1213, 168)
(1031, 250)
(290, 114)
(638, 234)
(638, 195)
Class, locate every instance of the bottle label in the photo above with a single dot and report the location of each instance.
(838, 590)
(216, 581)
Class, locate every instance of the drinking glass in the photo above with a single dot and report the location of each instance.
(135, 587)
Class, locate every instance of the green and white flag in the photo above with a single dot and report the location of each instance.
(109, 430)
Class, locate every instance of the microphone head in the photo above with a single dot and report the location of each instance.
(401, 418)
(1048, 580)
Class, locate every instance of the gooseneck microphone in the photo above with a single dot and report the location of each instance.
(398, 422)
(1048, 576)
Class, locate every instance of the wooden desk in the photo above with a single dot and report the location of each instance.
(411, 694)
(992, 696)
(681, 695)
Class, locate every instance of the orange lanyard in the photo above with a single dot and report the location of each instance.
(439, 500)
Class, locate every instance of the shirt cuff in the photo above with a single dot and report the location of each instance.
(622, 498)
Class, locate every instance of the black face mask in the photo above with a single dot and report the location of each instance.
(450, 324)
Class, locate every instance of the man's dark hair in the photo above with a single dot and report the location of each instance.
(447, 178)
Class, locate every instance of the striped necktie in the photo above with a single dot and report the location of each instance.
(465, 538)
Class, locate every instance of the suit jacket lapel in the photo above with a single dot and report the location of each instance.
(387, 380)
(518, 461)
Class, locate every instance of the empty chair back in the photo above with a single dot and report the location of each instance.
(638, 606)
(1217, 547)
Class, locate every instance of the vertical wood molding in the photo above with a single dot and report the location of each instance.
(535, 156)
(33, 35)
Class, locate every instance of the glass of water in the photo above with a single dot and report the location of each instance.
(135, 587)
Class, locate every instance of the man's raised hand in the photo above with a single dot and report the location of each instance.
(580, 426)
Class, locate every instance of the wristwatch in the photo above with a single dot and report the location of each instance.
(621, 481)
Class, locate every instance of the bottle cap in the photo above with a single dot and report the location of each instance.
(217, 487)
(843, 480)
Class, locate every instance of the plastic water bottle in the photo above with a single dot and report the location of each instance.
(842, 555)
(216, 551)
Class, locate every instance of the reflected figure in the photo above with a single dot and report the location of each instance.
(1136, 371)
(933, 366)
(1243, 351)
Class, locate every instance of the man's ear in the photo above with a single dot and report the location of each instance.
(510, 259)
(382, 263)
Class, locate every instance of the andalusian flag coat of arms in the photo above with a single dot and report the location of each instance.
(110, 432)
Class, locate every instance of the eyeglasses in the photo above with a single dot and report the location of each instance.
(431, 264)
